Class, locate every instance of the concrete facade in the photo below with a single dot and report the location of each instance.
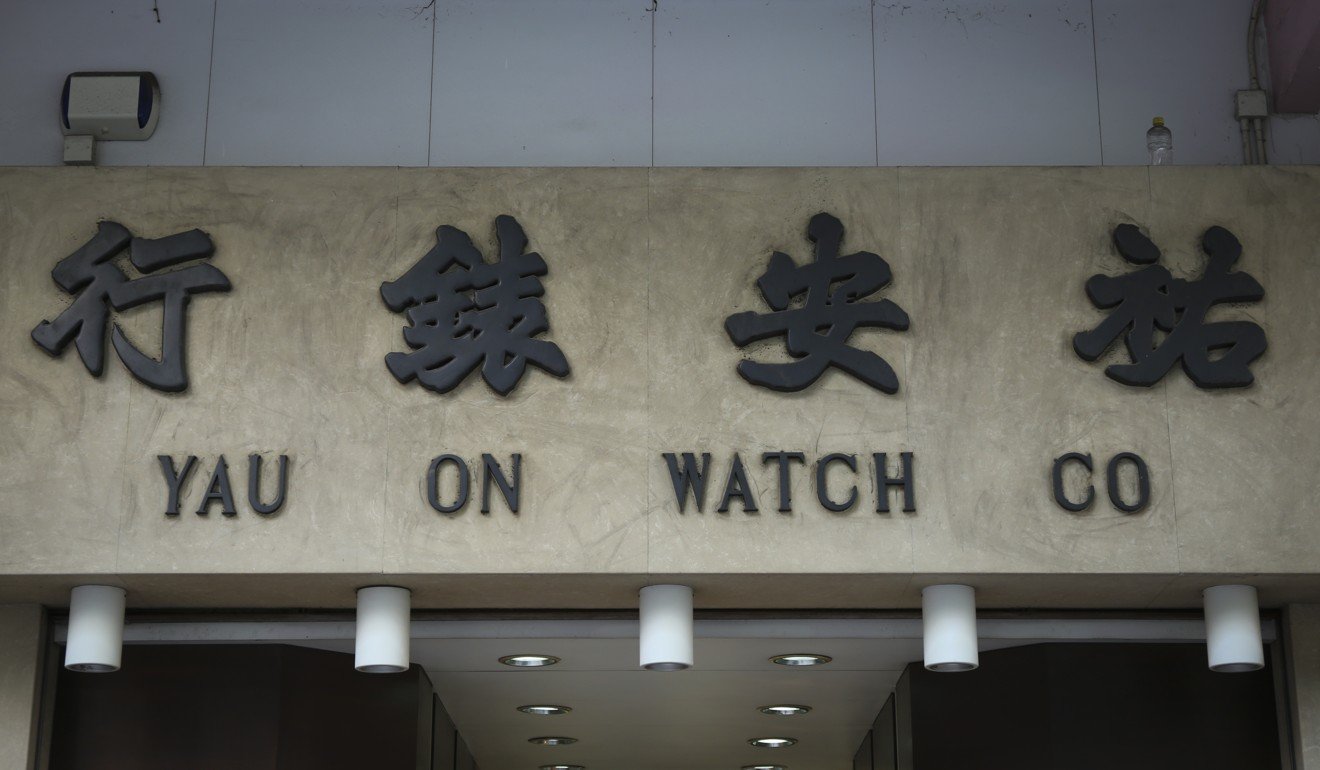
(644, 266)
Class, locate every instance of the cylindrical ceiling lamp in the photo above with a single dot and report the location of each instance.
(1232, 629)
(96, 629)
(948, 627)
(666, 643)
(383, 629)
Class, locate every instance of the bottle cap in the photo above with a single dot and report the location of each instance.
(1158, 122)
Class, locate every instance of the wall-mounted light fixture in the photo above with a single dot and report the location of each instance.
(96, 629)
(666, 629)
(383, 630)
(948, 627)
(96, 106)
(1232, 629)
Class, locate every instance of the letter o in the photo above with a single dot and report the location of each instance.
(1143, 482)
(433, 483)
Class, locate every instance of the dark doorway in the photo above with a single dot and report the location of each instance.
(256, 707)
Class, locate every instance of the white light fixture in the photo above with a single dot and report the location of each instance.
(772, 743)
(948, 627)
(1232, 629)
(785, 710)
(383, 629)
(666, 634)
(545, 711)
(764, 767)
(96, 629)
(562, 767)
(552, 740)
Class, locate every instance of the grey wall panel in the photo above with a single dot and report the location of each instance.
(607, 83)
(1294, 139)
(332, 82)
(862, 759)
(1180, 59)
(542, 84)
(764, 83)
(884, 740)
(42, 42)
(986, 83)
(444, 738)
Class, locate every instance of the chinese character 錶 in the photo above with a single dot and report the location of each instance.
(1213, 354)
(464, 312)
(816, 328)
(100, 286)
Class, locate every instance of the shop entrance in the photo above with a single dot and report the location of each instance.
(1050, 693)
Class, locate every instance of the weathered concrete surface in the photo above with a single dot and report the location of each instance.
(22, 635)
(644, 267)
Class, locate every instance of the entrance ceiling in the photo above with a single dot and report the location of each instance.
(701, 719)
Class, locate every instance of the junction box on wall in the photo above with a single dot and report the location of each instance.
(106, 106)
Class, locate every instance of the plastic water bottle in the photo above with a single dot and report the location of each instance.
(1159, 144)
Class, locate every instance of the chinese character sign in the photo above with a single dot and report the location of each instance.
(816, 309)
(1163, 319)
(99, 286)
(464, 312)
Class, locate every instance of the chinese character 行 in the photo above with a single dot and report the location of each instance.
(816, 329)
(100, 286)
(1213, 354)
(465, 312)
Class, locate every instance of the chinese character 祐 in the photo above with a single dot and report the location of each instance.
(1214, 354)
(817, 327)
(464, 312)
(100, 286)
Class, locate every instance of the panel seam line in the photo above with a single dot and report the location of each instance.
(430, 104)
(1095, 64)
(875, 90)
(210, 76)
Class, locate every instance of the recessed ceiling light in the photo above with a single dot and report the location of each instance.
(786, 710)
(773, 743)
(529, 661)
(801, 659)
(562, 767)
(552, 740)
(544, 711)
(757, 767)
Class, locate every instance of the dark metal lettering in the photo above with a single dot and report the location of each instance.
(100, 286)
(464, 312)
(433, 483)
(736, 486)
(785, 459)
(1143, 482)
(689, 477)
(1162, 319)
(509, 489)
(883, 482)
(254, 485)
(1056, 476)
(174, 481)
(817, 330)
(218, 491)
(822, 493)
